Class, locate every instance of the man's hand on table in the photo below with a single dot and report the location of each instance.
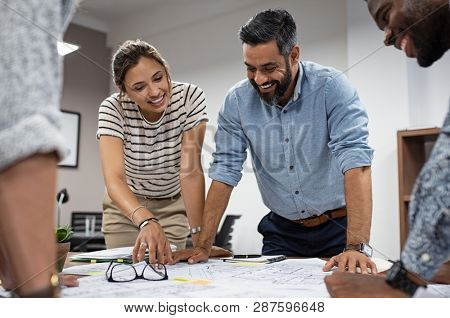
(199, 254)
(349, 260)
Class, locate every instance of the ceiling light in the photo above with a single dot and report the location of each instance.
(65, 48)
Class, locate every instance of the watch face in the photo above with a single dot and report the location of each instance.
(366, 249)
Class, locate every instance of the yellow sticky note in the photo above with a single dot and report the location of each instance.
(181, 279)
(200, 282)
(246, 263)
(94, 273)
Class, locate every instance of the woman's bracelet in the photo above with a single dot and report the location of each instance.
(135, 210)
(195, 229)
(147, 221)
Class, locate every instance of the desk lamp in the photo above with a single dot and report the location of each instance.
(61, 197)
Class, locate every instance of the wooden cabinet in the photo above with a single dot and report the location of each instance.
(414, 147)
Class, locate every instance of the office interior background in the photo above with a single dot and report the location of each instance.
(199, 40)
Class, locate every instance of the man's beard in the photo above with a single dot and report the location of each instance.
(429, 34)
(280, 89)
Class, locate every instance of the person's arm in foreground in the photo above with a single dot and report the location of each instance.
(28, 192)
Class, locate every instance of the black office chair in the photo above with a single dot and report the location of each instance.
(223, 237)
(80, 242)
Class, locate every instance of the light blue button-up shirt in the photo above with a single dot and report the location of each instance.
(300, 151)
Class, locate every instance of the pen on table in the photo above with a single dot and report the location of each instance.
(277, 259)
(247, 256)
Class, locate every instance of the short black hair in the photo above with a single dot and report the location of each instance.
(269, 25)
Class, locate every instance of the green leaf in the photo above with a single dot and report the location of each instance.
(63, 234)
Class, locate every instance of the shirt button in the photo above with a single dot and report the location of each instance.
(291, 167)
(287, 140)
(425, 258)
(284, 111)
(303, 211)
(296, 192)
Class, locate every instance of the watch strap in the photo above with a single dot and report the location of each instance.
(400, 278)
(363, 248)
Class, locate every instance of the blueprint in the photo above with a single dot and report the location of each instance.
(289, 278)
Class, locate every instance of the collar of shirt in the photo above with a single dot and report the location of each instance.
(298, 86)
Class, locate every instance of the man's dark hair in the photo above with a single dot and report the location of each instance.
(272, 24)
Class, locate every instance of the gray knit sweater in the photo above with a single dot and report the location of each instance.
(30, 77)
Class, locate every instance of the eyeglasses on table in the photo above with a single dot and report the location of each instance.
(122, 272)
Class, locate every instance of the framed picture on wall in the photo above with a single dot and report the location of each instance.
(71, 133)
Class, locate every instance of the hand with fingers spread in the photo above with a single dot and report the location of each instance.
(152, 237)
(350, 260)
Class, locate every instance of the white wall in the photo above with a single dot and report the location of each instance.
(86, 83)
(202, 47)
(429, 92)
(380, 75)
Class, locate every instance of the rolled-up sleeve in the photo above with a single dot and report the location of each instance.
(347, 124)
(231, 144)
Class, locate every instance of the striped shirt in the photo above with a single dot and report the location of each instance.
(152, 150)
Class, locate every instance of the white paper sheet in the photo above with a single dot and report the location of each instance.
(290, 278)
(89, 270)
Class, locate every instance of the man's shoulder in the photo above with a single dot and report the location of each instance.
(446, 124)
(242, 87)
(315, 71)
(241, 94)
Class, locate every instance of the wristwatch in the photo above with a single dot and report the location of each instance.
(364, 248)
(399, 278)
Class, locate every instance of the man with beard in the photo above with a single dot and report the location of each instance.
(307, 134)
(422, 30)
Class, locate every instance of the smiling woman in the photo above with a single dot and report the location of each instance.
(151, 135)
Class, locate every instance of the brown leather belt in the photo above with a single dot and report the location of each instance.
(173, 198)
(320, 219)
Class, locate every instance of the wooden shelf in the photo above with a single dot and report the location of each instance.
(413, 147)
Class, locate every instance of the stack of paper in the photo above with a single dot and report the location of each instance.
(121, 254)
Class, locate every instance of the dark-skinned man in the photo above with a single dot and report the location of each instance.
(422, 30)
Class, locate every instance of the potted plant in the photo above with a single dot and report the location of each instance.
(63, 235)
